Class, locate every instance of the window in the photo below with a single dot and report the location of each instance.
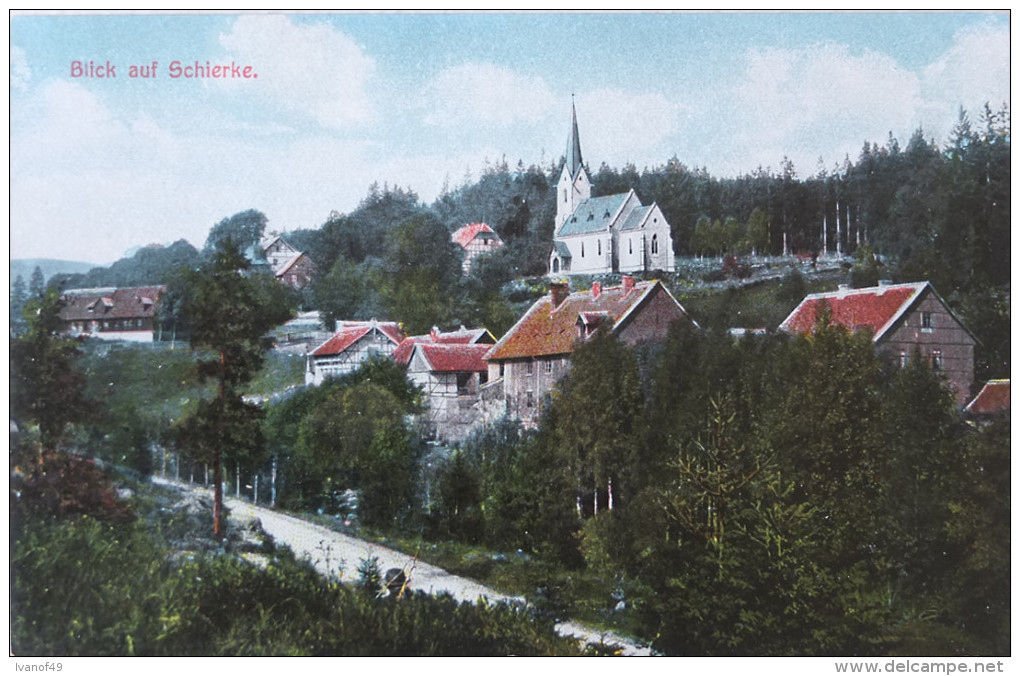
(530, 368)
(564, 195)
(529, 398)
(655, 244)
(591, 217)
(548, 366)
(936, 359)
(582, 249)
(903, 359)
(630, 245)
(927, 322)
(600, 247)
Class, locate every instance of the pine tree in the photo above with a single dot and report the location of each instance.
(229, 317)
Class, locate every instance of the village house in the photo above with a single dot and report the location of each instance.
(351, 345)
(275, 255)
(110, 313)
(608, 234)
(903, 319)
(450, 368)
(530, 359)
(475, 239)
(991, 402)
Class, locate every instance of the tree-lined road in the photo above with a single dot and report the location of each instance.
(337, 554)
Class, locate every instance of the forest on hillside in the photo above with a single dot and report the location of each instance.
(910, 212)
(769, 495)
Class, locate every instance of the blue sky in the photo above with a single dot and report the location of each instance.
(416, 100)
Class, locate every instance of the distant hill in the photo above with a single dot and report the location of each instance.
(49, 267)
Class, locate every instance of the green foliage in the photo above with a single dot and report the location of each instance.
(47, 387)
(242, 230)
(597, 421)
(422, 270)
(84, 588)
(229, 314)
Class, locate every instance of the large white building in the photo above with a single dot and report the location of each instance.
(612, 233)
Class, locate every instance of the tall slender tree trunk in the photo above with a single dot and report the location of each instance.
(218, 459)
(218, 496)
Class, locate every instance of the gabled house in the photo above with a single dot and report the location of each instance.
(275, 255)
(535, 353)
(903, 319)
(297, 272)
(608, 234)
(475, 239)
(110, 313)
(349, 347)
(450, 375)
(992, 401)
(450, 368)
(278, 251)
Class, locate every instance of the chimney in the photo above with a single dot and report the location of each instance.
(596, 290)
(558, 291)
(628, 284)
(434, 333)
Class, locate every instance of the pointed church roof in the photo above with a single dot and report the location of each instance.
(574, 161)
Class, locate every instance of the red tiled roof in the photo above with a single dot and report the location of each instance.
(464, 235)
(544, 330)
(462, 336)
(353, 332)
(993, 398)
(875, 308)
(109, 303)
(451, 358)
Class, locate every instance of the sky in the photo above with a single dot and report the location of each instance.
(336, 102)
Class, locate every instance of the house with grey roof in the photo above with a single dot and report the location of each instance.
(608, 234)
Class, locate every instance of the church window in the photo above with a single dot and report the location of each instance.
(591, 217)
(564, 195)
(630, 245)
(582, 249)
(600, 246)
(655, 244)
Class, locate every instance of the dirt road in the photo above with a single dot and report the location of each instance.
(336, 554)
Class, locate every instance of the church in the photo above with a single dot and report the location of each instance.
(608, 234)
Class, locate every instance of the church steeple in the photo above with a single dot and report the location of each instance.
(574, 185)
(574, 161)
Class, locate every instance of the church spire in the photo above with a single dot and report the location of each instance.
(574, 160)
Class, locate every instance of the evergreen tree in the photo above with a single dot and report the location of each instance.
(47, 388)
(229, 318)
(19, 295)
(36, 283)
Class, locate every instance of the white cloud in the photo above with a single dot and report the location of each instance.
(819, 101)
(974, 71)
(618, 127)
(21, 74)
(483, 93)
(311, 69)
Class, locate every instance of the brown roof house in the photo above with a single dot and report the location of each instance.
(352, 344)
(110, 313)
(992, 401)
(902, 318)
(450, 368)
(533, 355)
(290, 266)
(476, 239)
